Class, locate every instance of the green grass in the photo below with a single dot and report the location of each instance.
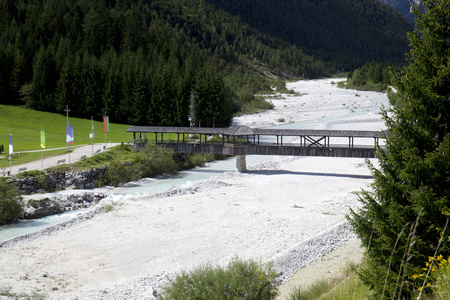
(347, 286)
(29, 156)
(121, 153)
(25, 124)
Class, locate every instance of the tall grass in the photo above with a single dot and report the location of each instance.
(346, 286)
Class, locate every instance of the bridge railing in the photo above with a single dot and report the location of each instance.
(302, 141)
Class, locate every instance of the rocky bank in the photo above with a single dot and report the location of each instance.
(37, 206)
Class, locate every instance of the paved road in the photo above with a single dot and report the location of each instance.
(75, 156)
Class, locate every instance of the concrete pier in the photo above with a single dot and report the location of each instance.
(241, 165)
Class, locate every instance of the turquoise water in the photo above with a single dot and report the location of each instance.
(155, 186)
(13, 230)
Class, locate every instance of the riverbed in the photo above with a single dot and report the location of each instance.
(290, 210)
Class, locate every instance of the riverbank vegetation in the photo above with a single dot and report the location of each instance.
(122, 165)
(125, 165)
(10, 202)
(372, 76)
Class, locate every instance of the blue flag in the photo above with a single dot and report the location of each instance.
(69, 134)
(10, 144)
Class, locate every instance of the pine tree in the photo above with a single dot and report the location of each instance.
(403, 220)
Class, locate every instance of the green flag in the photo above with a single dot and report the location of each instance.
(42, 138)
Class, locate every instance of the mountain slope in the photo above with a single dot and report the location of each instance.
(403, 7)
(346, 32)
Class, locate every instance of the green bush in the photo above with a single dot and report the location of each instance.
(33, 203)
(31, 173)
(154, 161)
(199, 159)
(239, 280)
(117, 173)
(42, 181)
(10, 202)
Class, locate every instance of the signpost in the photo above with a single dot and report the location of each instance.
(105, 126)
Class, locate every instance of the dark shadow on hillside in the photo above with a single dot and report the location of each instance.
(286, 172)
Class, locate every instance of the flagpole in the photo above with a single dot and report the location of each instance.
(105, 126)
(10, 154)
(67, 112)
(42, 152)
(92, 134)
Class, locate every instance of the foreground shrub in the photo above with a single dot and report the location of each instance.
(239, 280)
(154, 161)
(10, 206)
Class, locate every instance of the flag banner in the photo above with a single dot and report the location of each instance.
(10, 144)
(105, 124)
(69, 134)
(42, 138)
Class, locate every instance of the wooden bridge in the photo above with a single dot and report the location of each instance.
(241, 140)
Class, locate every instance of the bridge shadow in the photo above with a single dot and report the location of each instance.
(202, 170)
(287, 172)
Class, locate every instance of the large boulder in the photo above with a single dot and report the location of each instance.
(42, 208)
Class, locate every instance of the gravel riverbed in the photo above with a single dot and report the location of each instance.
(290, 210)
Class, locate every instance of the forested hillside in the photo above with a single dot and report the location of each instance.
(141, 60)
(347, 33)
(137, 60)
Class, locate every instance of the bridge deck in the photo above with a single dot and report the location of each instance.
(243, 140)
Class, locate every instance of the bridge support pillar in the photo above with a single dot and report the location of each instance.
(241, 165)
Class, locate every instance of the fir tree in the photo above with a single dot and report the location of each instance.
(403, 220)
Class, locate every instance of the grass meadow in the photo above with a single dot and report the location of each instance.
(25, 125)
